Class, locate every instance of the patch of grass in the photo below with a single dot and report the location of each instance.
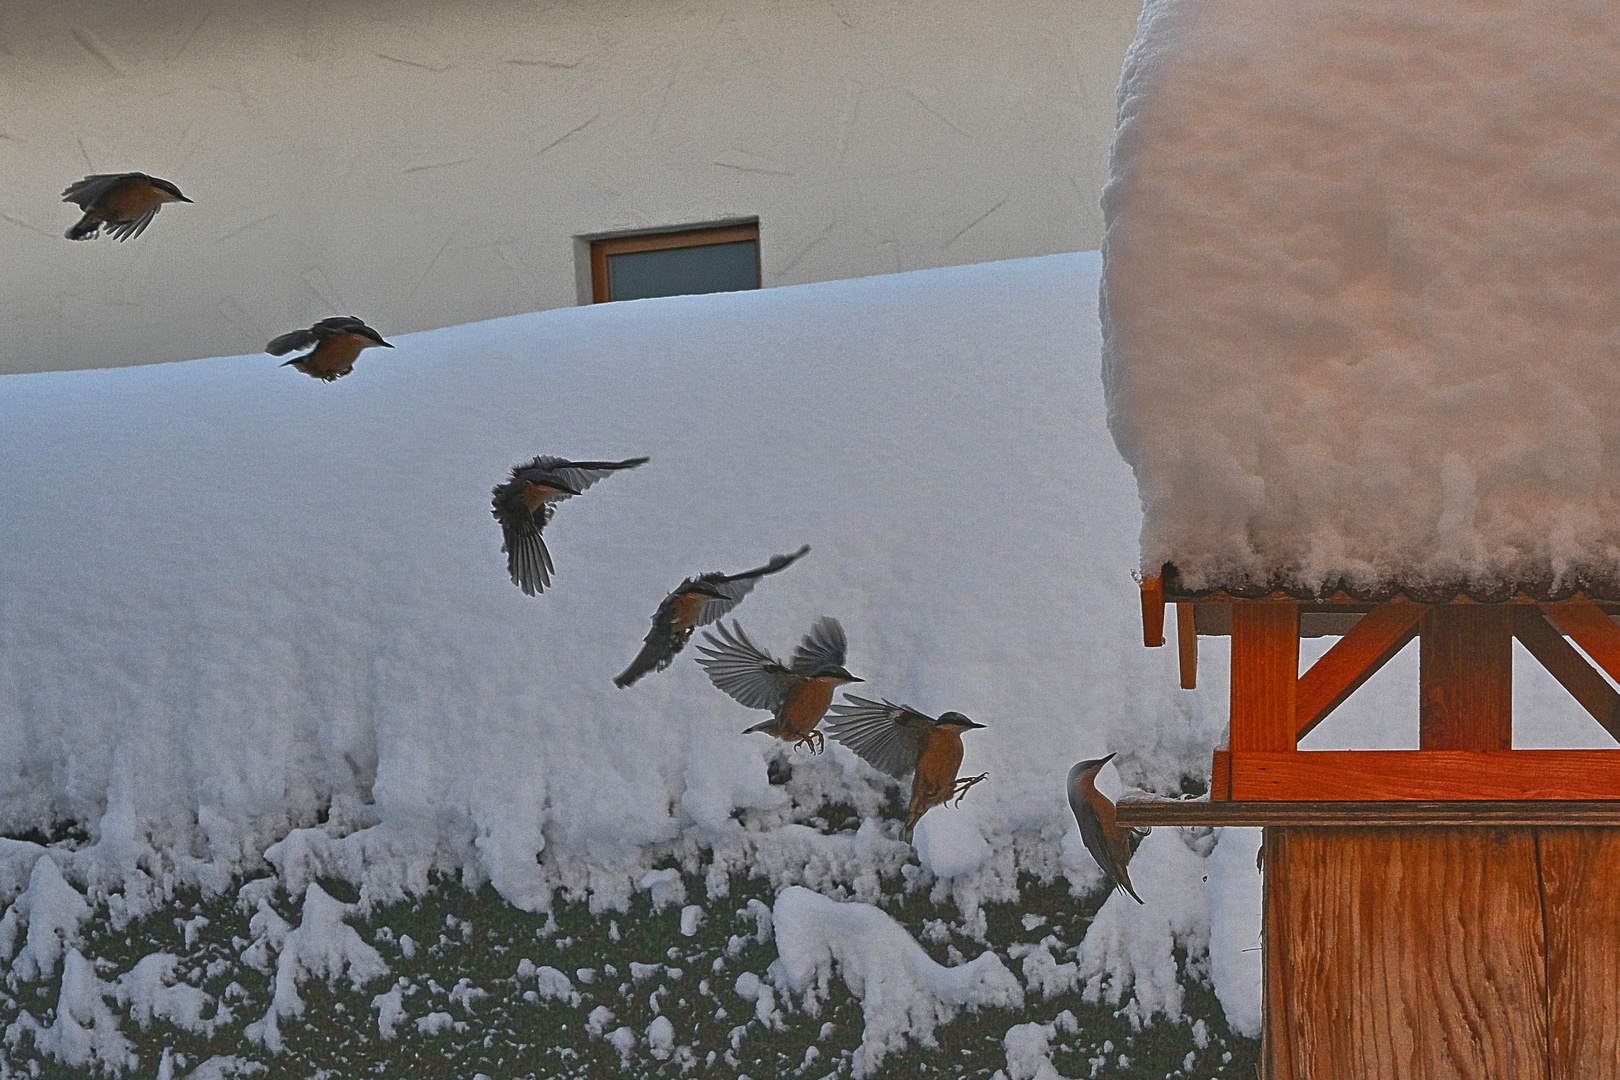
(465, 963)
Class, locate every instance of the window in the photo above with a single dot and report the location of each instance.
(722, 259)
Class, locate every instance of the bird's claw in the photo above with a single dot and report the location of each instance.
(815, 740)
(963, 785)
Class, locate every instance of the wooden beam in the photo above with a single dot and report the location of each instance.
(1187, 646)
(1586, 624)
(1265, 672)
(1465, 677)
(1220, 776)
(1425, 775)
(1152, 611)
(1487, 813)
(1569, 667)
(1339, 672)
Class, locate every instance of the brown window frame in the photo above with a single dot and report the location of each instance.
(663, 241)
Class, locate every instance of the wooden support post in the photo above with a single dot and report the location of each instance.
(1465, 678)
(1339, 672)
(1187, 645)
(1152, 612)
(1583, 951)
(1409, 954)
(1265, 672)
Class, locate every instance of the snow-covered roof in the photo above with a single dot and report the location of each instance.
(1361, 293)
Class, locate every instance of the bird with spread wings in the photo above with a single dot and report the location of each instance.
(899, 740)
(696, 602)
(525, 503)
(796, 694)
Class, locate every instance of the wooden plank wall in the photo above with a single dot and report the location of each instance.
(1442, 954)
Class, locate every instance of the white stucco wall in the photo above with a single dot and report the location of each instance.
(427, 163)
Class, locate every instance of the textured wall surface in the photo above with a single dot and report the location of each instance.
(425, 164)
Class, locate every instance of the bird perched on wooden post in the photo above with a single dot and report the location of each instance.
(123, 203)
(1099, 828)
(898, 740)
(797, 695)
(696, 602)
(338, 342)
(524, 505)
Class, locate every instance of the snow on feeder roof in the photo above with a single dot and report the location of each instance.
(1361, 295)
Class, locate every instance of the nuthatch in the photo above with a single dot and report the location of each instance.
(125, 203)
(898, 740)
(796, 695)
(1099, 828)
(524, 505)
(695, 602)
(338, 342)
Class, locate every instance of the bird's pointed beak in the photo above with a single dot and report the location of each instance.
(184, 199)
(384, 344)
(1107, 759)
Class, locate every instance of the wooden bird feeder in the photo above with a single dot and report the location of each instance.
(1450, 911)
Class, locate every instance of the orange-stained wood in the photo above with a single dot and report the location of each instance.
(1148, 810)
(1578, 869)
(1369, 775)
(1339, 672)
(1591, 629)
(1187, 646)
(1152, 611)
(1569, 667)
(1265, 672)
(1406, 954)
(1465, 677)
(1220, 777)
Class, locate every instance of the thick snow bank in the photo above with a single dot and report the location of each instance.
(904, 994)
(1362, 289)
(250, 616)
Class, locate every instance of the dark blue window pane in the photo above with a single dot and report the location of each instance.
(636, 275)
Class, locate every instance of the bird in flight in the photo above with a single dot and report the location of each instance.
(796, 694)
(696, 602)
(337, 344)
(524, 505)
(899, 740)
(122, 203)
(1099, 829)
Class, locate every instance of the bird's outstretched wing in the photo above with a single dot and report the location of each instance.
(736, 586)
(1097, 842)
(86, 191)
(752, 676)
(822, 648)
(527, 559)
(338, 324)
(130, 229)
(658, 648)
(580, 475)
(887, 736)
(292, 342)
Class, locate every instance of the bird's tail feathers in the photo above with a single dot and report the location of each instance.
(85, 229)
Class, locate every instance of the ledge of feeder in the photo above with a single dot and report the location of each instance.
(1137, 810)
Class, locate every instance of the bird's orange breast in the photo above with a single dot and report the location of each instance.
(687, 606)
(128, 201)
(940, 757)
(806, 704)
(336, 355)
